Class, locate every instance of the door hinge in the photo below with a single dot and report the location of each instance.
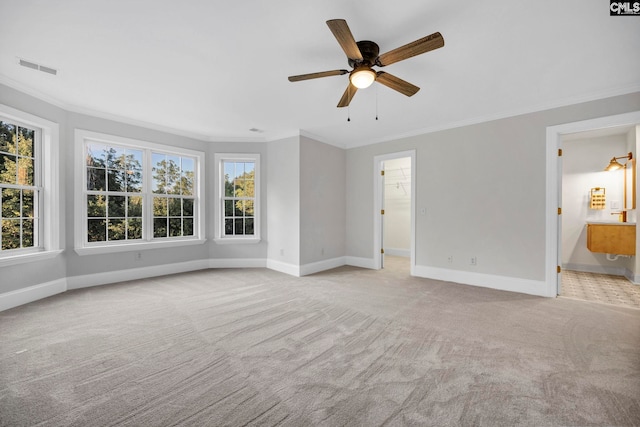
(559, 152)
(559, 269)
(381, 251)
(382, 173)
(382, 212)
(559, 211)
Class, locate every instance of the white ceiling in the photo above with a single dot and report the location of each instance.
(215, 69)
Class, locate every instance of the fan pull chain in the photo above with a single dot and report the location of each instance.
(348, 113)
(376, 102)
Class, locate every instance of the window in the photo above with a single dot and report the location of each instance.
(29, 202)
(137, 193)
(238, 195)
(173, 200)
(20, 188)
(113, 198)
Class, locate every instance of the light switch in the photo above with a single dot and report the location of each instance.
(616, 205)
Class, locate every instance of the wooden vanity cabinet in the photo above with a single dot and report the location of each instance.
(615, 239)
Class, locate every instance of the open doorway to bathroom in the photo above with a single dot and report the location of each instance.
(593, 197)
(395, 218)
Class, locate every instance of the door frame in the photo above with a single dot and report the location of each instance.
(378, 201)
(554, 187)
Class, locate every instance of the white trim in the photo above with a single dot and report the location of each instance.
(29, 257)
(600, 269)
(617, 91)
(283, 267)
(327, 264)
(218, 214)
(354, 261)
(511, 284)
(377, 205)
(633, 278)
(137, 246)
(32, 293)
(238, 263)
(553, 181)
(398, 252)
(236, 241)
(96, 279)
(50, 181)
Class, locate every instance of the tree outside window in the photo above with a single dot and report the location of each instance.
(114, 185)
(239, 198)
(18, 187)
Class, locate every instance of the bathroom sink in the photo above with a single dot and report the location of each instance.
(611, 222)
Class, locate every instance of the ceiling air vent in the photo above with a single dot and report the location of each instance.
(34, 66)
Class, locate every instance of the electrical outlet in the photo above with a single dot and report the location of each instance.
(138, 256)
(450, 259)
(473, 261)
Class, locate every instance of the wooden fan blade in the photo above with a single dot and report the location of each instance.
(347, 96)
(342, 33)
(396, 83)
(317, 75)
(425, 44)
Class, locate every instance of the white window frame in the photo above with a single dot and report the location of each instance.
(47, 161)
(83, 247)
(219, 236)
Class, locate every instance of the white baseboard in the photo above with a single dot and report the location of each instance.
(87, 280)
(238, 263)
(32, 293)
(283, 267)
(398, 252)
(513, 284)
(360, 262)
(600, 269)
(323, 265)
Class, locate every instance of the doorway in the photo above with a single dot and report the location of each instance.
(555, 135)
(394, 224)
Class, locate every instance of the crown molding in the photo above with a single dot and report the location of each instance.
(594, 96)
(277, 135)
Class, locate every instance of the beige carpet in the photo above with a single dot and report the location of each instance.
(346, 347)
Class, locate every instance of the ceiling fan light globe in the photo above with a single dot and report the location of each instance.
(362, 78)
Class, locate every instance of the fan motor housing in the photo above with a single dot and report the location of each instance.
(369, 51)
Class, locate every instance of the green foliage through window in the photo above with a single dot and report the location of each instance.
(239, 198)
(114, 182)
(18, 187)
(173, 187)
(116, 194)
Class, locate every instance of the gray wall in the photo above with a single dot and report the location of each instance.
(283, 200)
(235, 251)
(23, 275)
(70, 264)
(322, 199)
(91, 264)
(483, 188)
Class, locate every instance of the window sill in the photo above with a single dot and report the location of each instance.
(29, 257)
(130, 247)
(236, 240)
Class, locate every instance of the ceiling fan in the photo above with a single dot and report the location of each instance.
(363, 55)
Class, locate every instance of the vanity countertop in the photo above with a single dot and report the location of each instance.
(611, 223)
